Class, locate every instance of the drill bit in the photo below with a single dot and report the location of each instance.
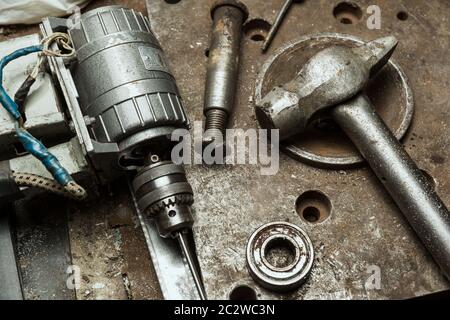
(276, 24)
(183, 241)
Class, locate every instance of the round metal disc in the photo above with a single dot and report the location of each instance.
(323, 144)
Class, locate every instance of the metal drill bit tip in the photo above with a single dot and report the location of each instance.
(183, 240)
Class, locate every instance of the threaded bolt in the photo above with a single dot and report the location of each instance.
(215, 125)
(223, 66)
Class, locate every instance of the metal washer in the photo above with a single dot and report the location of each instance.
(285, 278)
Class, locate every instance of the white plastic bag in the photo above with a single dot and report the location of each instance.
(32, 11)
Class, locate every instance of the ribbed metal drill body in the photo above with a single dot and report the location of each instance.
(125, 84)
(123, 80)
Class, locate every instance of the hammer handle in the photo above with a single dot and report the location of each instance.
(409, 188)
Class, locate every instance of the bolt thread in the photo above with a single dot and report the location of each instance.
(216, 119)
(215, 125)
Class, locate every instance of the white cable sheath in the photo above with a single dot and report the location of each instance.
(32, 11)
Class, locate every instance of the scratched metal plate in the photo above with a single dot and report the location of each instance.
(365, 228)
(365, 231)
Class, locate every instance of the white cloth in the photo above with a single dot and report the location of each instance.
(32, 11)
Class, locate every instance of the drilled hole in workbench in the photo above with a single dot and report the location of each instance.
(313, 206)
(243, 293)
(257, 29)
(280, 253)
(402, 15)
(347, 13)
(172, 1)
(311, 214)
(257, 37)
(346, 21)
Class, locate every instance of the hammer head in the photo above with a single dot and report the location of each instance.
(330, 77)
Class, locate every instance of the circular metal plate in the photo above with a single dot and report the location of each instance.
(324, 144)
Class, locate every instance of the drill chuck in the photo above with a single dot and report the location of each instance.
(164, 194)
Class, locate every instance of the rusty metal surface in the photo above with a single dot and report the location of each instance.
(365, 230)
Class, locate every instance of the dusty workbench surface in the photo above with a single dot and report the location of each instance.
(365, 232)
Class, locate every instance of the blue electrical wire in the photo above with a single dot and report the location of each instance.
(37, 149)
(5, 99)
(30, 143)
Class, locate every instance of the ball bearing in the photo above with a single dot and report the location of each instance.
(294, 271)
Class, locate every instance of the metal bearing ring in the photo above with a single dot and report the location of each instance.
(280, 278)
